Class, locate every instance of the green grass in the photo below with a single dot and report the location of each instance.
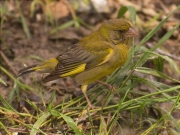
(133, 101)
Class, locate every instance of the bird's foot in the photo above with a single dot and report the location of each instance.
(90, 106)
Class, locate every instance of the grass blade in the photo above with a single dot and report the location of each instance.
(124, 9)
(155, 73)
(155, 29)
(39, 122)
(71, 124)
(1, 81)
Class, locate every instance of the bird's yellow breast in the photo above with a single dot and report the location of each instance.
(114, 60)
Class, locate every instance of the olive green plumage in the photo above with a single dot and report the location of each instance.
(93, 57)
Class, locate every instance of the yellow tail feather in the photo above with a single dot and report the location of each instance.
(45, 67)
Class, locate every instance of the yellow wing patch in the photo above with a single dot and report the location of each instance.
(77, 70)
(111, 52)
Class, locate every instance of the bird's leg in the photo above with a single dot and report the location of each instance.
(106, 84)
(109, 87)
(84, 89)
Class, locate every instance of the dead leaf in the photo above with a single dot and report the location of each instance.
(56, 10)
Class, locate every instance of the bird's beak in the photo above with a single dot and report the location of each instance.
(131, 33)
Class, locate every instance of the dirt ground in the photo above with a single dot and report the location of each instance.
(17, 50)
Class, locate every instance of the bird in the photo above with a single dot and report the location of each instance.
(92, 58)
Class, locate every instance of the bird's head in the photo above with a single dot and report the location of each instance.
(117, 31)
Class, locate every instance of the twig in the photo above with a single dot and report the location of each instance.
(164, 53)
(8, 63)
(85, 117)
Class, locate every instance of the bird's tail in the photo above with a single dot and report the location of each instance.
(45, 67)
(27, 70)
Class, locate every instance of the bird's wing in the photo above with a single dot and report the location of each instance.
(78, 58)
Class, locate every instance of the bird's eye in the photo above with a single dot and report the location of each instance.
(121, 31)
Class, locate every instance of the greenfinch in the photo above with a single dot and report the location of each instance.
(93, 57)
